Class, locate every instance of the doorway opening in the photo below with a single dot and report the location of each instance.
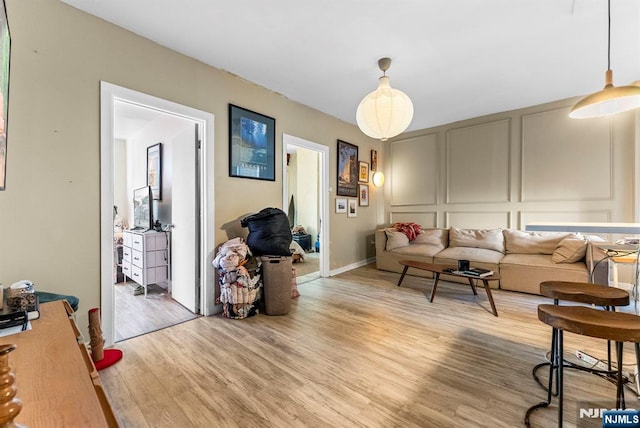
(133, 126)
(305, 200)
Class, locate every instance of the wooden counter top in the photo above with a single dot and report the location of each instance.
(53, 382)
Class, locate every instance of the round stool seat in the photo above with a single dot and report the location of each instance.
(618, 326)
(583, 292)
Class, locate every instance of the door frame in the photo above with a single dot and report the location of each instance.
(109, 94)
(323, 153)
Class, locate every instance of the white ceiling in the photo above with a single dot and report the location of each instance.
(455, 59)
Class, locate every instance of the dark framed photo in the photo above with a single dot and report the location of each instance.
(5, 55)
(363, 172)
(363, 195)
(347, 169)
(154, 170)
(252, 144)
(374, 160)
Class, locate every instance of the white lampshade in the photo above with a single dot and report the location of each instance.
(378, 178)
(385, 112)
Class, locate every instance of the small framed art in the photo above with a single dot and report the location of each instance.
(252, 144)
(352, 208)
(374, 160)
(341, 205)
(347, 169)
(363, 195)
(154, 170)
(363, 174)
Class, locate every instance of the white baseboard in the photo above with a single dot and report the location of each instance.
(352, 266)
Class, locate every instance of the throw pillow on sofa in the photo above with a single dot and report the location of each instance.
(395, 239)
(571, 249)
(435, 237)
(490, 239)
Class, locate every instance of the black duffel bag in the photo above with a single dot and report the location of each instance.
(269, 232)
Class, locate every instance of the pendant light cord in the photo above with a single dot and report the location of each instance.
(609, 35)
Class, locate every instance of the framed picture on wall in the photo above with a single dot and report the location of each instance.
(341, 205)
(363, 195)
(154, 170)
(347, 169)
(352, 208)
(363, 172)
(374, 160)
(5, 51)
(252, 144)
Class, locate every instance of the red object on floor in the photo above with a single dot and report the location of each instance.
(111, 356)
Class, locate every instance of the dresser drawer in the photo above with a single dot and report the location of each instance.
(126, 254)
(137, 242)
(137, 258)
(126, 268)
(126, 239)
(136, 274)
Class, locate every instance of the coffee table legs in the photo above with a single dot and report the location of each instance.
(404, 272)
(436, 277)
(473, 287)
(490, 296)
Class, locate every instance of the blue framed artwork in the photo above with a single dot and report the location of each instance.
(251, 144)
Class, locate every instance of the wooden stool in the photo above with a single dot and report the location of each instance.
(608, 325)
(579, 292)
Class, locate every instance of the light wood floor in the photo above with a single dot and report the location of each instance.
(355, 350)
(310, 264)
(136, 315)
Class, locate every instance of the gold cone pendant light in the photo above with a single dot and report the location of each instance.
(385, 112)
(611, 99)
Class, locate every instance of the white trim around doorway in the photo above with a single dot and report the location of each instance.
(109, 94)
(323, 152)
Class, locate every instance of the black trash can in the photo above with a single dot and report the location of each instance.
(276, 282)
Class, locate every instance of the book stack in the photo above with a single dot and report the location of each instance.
(475, 271)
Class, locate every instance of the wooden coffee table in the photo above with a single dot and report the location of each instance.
(437, 270)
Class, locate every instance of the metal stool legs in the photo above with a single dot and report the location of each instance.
(555, 364)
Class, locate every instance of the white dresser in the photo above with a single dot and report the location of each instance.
(146, 257)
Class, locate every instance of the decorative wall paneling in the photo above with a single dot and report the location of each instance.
(478, 163)
(517, 167)
(415, 168)
(564, 159)
(527, 217)
(478, 219)
(427, 219)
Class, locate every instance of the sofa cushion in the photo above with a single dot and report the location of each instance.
(520, 242)
(525, 272)
(435, 237)
(571, 249)
(418, 250)
(395, 239)
(490, 239)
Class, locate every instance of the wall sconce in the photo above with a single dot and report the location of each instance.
(378, 178)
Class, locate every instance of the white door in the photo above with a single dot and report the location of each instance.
(184, 217)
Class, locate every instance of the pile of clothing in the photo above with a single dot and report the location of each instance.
(239, 291)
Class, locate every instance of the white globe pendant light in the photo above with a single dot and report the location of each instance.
(385, 112)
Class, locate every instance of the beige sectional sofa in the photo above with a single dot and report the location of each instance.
(523, 259)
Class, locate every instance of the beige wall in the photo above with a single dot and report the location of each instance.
(513, 168)
(49, 214)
